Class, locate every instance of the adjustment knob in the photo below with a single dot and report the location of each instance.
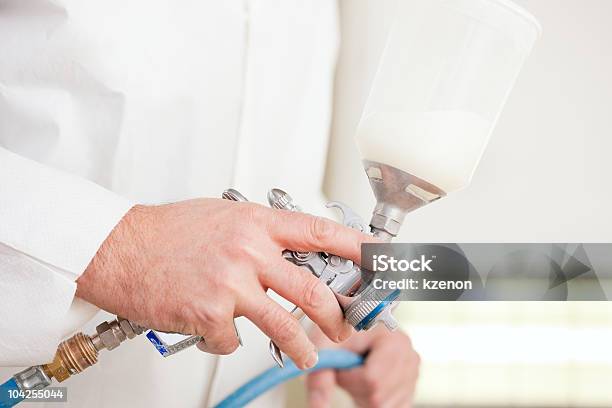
(280, 200)
(372, 306)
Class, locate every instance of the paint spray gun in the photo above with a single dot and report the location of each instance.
(397, 193)
(364, 307)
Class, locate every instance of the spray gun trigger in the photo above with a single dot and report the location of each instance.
(275, 352)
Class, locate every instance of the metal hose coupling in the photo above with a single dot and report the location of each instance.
(81, 350)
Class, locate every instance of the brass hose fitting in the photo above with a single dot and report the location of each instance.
(72, 356)
(81, 350)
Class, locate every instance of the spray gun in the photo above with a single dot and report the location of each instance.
(363, 306)
(397, 193)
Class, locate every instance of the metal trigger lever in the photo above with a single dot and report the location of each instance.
(275, 351)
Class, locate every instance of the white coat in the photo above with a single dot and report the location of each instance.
(104, 104)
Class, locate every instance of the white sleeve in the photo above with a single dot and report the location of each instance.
(51, 225)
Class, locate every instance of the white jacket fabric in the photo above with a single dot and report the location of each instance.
(108, 104)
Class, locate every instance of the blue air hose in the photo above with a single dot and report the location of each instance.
(5, 395)
(336, 359)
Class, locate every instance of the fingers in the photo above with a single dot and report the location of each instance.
(304, 232)
(283, 329)
(320, 387)
(315, 298)
(220, 340)
(355, 382)
(215, 323)
(388, 376)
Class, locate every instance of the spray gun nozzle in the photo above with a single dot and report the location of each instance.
(397, 193)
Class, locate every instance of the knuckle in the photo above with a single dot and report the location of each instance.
(209, 317)
(287, 329)
(322, 229)
(246, 249)
(313, 294)
(253, 213)
(218, 281)
(240, 240)
(227, 248)
(283, 327)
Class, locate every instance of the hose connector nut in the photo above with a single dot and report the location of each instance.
(110, 334)
(32, 378)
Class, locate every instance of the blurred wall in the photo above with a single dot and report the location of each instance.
(546, 173)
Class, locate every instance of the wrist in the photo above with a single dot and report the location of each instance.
(118, 257)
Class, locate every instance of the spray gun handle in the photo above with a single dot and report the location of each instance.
(363, 306)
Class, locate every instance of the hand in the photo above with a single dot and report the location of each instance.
(191, 267)
(387, 379)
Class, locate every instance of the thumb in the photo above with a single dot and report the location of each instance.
(320, 386)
